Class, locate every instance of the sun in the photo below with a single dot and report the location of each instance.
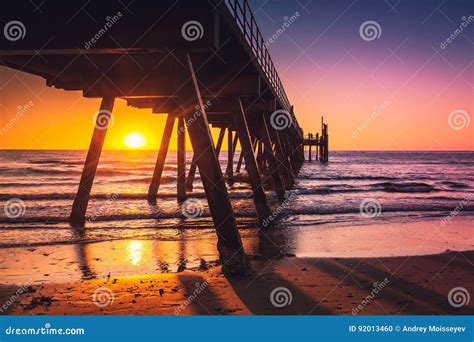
(134, 140)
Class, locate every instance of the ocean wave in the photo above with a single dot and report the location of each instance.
(32, 171)
(348, 178)
(391, 208)
(43, 185)
(411, 187)
(455, 185)
(56, 162)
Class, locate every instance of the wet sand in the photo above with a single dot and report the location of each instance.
(406, 285)
(383, 268)
(177, 250)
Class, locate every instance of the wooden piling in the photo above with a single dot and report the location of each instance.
(274, 168)
(79, 207)
(230, 157)
(309, 147)
(239, 163)
(260, 156)
(282, 161)
(192, 167)
(259, 197)
(160, 160)
(229, 244)
(191, 174)
(290, 151)
(317, 146)
(181, 160)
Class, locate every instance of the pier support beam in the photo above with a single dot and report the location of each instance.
(191, 174)
(79, 207)
(230, 157)
(272, 162)
(160, 160)
(239, 163)
(288, 150)
(259, 197)
(282, 159)
(192, 168)
(229, 244)
(310, 158)
(181, 158)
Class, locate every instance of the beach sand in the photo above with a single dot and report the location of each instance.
(386, 269)
(324, 286)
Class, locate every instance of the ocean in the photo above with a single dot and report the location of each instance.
(355, 189)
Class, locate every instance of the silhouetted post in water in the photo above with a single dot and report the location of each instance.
(325, 144)
(309, 137)
(234, 144)
(230, 158)
(220, 140)
(160, 160)
(79, 207)
(229, 244)
(273, 164)
(263, 158)
(260, 156)
(241, 157)
(317, 146)
(191, 174)
(239, 163)
(192, 168)
(234, 147)
(181, 156)
(259, 197)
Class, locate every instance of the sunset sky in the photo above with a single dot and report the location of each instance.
(326, 68)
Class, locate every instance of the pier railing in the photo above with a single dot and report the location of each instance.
(244, 17)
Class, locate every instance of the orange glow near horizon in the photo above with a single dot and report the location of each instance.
(40, 117)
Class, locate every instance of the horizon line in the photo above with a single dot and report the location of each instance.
(156, 150)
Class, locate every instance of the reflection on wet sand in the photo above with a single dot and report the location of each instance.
(179, 250)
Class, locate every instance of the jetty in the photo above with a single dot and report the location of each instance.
(320, 143)
(202, 63)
